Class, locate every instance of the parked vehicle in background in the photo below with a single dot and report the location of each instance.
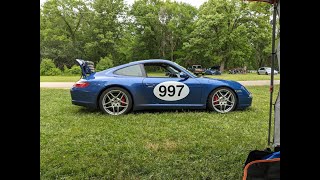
(237, 71)
(266, 71)
(252, 71)
(197, 69)
(214, 70)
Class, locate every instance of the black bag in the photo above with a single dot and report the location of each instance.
(258, 168)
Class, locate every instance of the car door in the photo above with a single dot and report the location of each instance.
(262, 71)
(161, 90)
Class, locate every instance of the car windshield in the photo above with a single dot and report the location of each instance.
(185, 69)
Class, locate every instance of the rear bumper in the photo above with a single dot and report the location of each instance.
(81, 97)
(84, 104)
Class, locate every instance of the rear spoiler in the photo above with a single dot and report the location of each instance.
(87, 67)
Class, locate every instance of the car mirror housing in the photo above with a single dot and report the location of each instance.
(183, 75)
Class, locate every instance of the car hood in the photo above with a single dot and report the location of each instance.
(231, 83)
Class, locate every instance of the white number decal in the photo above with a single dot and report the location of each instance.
(171, 91)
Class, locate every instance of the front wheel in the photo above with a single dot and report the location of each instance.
(222, 100)
(115, 101)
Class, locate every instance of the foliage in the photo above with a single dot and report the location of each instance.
(75, 70)
(48, 68)
(66, 70)
(161, 28)
(104, 63)
(53, 72)
(230, 33)
(222, 33)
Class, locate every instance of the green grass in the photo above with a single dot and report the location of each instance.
(244, 77)
(235, 77)
(77, 143)
(59, 78)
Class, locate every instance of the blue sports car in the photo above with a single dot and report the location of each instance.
(155, 84)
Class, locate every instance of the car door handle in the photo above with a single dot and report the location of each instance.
(150, 84)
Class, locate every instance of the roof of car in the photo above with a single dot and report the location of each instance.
(151, 61)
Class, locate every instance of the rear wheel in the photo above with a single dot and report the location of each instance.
(115, 101)
(267, 73)
(222, 100)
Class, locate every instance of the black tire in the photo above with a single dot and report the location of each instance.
(258, 73)
(267, 73)
(233, 97)
(116, 102)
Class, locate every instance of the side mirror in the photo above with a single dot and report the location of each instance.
(183, 75)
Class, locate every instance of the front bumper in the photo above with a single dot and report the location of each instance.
(244, 102)
(244, 98)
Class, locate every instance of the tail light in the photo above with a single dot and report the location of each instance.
(81, 84)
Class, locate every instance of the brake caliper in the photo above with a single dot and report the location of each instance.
(123, 100)
(215, 100)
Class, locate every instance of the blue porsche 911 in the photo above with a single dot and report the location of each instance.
(155, 84)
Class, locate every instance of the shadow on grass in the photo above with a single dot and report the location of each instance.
(84, 110)
(160, 111)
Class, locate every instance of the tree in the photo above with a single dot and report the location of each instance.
(60, 30)
(231, 33)
(104, 63)
(161, 28)
(48, 68)
(260, 38)
(104, 28)
(221, 34)
(84, 29)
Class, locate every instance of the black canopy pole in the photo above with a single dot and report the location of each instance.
(272, 66)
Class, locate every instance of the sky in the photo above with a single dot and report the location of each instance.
(195, 3)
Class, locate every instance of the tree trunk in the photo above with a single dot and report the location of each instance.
(171, 54)
(260, 60)
(260, 63)
(163, 45)
(172, 48)
(222, 66)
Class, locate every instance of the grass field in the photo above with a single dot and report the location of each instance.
(235, 77)
(76, 143)
(59, 78)
(244, 77)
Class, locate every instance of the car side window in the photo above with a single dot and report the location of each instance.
(158, 70)
(134, 70)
